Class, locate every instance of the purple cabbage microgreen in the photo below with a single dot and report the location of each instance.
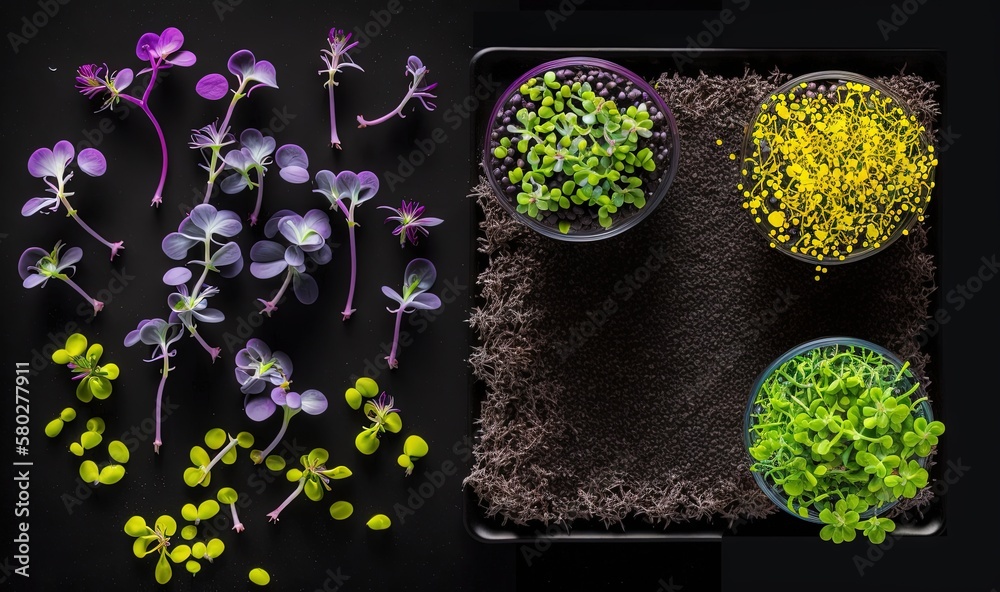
(335, 59)
(250, 75)
(52, 167)
(201, 226)
(417, 279)
(257, 366)
(415, 68)
(307, 237)
(36, 266)
(229, 497)
(161, 51)
(410, 222)
(384, 417)
(161, 336)
(254, 156)
(357, 189)
(215, 439)
(313, 478)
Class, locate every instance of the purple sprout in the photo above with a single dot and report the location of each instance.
(161, 335)
(415, 68)
(410, 222)
(250, 75)
(335, 59)
(254, 156)
(189, 306)
(161, 51)
(307, 236)
(356, 188)
(419, 276)
(257, 366)
(37, 266)
(52, 167)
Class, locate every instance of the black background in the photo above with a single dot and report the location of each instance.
(430, 549)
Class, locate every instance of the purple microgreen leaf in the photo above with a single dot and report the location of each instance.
(257, 146)
(263, 73)
(209, 315)
(392, 294)
(294, 174)
(284, 362)
(419, 276)
(72, 256)
(183, 59)
(319, 222)
(36, 204)
(346, 185)
(321, 256)
(241, 63)
(30, 258)
(263, 271)
(228, 254)
(279, 396)
(305, 288)
(324, 185)
(213, 87)
(233, 184)
(176, 276)
(313, 402)
(171, 39)
(271, 227)
(424, 301)
(145, 48)
(293, 400)
(233, 269)
(92, 162)
(123, 79)
(294, 256)
(369, 186)
(175, 245)
(34, 280)
(291, 155)
(259, 408)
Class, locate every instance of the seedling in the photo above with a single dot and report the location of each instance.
(306, 237)
(37, 266)
(94, 379)
(418, 277)
(313, 479)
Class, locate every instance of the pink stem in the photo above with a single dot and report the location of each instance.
(272, 305)
(158, 441)
(274, 515)
(281, 434)
(213, 351)
(98, 305)
(115, 247)
(393, 363)
(354, 271)
(237, 525)
(260, 198)
(362, 122)
(142, 103)
(334, 138)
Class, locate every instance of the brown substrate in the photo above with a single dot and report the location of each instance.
(617, 373)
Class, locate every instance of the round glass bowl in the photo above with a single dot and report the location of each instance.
(835, 167)
(828, 347)
(559, 161)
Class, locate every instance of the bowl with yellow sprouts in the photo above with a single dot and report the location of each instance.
(835, 167)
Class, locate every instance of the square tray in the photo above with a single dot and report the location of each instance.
(505, 64)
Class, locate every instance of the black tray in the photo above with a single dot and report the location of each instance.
(505, 64)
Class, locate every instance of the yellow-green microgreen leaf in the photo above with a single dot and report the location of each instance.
(341, 510)
(136, 526)
(275, 462)
(216, 438)
(111, 474)
(54, 427)
(228, 495)
(260, 576)
(163, 571)
(379, 522)
(89, 472)
(118, 451)
(189, 532)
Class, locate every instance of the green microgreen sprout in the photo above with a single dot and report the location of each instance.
(384, 418)
(215, 439)
(159, 537)
(259, 576)
(90, 438)
(55, 427)
(838, 433)
(201, 551)
(413, 448)
(110, 473)
(228, 496)
(341, 510)
(379, 522)
(314, 478)
(206, 510)
(364, 388)
(95, 380)
(575, 146)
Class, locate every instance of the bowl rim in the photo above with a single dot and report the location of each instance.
(655, 197)
(838, 76)
(778, 498)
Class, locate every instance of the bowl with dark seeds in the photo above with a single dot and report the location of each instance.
(580, 149)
